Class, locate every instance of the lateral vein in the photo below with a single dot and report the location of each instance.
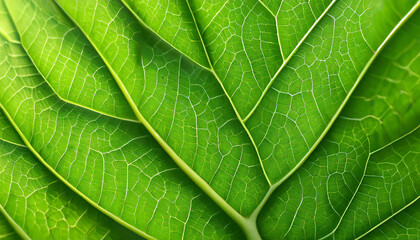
(69, 185)
(200, 182)
(363, 72)
(13, 224)
(287, 59)
(229, 98)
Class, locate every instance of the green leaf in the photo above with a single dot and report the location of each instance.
(209, 119)
(179, 102)
(114, 164)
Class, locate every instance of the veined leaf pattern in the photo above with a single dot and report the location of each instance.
(209, 119)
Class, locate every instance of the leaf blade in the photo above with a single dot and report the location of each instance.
(198, 106)
(62, 154)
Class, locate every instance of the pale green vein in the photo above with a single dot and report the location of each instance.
(268, 9)
(385, 220)
(287, 59)
(227, 95)
(101, 209)
(149, 28)
(7, 37)
(363, 176)
(281, 51)
(394, 141)
(14, 225)
(17, 144)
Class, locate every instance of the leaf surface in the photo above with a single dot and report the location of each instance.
(294, 19)
(112, 163)
(180, 103)
(209, 119)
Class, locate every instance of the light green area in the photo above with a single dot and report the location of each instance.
(209, 119)
(7, 29)
(382, 109)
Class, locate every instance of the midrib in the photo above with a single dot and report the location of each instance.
(201, 183)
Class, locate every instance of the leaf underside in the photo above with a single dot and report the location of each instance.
(209, 119)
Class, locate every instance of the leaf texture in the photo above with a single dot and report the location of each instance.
(209, 119)
(191, 115)
(109, 161)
